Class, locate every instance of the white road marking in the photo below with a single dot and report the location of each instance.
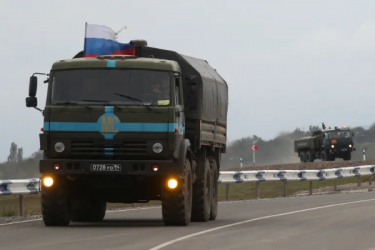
(252, 220)
(153, 207)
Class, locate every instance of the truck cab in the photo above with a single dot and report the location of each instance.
(114, 131)
(338, 143)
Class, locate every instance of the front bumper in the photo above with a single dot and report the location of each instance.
(341, 150)
(127, 167)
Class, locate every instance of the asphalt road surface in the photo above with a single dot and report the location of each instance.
(341, 221)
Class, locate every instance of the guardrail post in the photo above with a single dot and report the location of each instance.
(370, 180)
(257, 196)
(310, 188)
(285, 188)
(20, 205)
(335, 185)
(227, 187)
(359, 181)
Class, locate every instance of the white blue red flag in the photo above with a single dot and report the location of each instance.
(101, 40)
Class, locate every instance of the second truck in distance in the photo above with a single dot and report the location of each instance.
(326, 145)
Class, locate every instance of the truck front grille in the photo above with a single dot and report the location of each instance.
(88, 147)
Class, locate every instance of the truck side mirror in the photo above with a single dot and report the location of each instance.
(31, 102)
(352, 134)
(33, 86)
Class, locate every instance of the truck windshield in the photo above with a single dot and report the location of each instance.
(124, 86)
(339, 134)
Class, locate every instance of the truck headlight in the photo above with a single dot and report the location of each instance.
(350, 145)
(157, 147)
(59, 147)
(332, 146)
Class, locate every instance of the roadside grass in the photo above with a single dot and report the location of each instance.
(243, 191)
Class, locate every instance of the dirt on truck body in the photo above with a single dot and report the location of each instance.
(131, 129)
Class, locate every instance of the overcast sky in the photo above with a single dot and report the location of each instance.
(287, 63)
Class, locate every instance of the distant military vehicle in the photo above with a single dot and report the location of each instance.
(327, 145)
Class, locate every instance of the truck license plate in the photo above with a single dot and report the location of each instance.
(105, 167)
(344, 149)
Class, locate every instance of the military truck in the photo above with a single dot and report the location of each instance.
(327, 145)
(131, 129)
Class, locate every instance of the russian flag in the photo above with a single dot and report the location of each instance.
(101, 40)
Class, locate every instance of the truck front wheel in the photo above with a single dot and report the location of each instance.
(347, 157)
(302, 156)
(177, 204)
(326, 156)
(202, 195)
(54, 204)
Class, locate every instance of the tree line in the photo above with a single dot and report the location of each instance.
(18, 167)
(279, 150)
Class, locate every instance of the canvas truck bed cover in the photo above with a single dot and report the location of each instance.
(212, 101)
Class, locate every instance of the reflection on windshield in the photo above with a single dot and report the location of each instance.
(339, 134)
(149, 87)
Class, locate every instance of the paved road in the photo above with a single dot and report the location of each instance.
(343, 221)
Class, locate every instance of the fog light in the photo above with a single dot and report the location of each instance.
(47, 181)
(172, 183)
(155, 168)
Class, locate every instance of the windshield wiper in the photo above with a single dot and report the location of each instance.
(102, 101)
(72, 103)
(134, 99)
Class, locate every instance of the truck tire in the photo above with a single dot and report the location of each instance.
(326, 157)
(202, 195)
(347, 157)
(323, 155)
(54, 205)
(177, 204)
(309, 157)
(215, 189)
(88, 210)
(302, 156)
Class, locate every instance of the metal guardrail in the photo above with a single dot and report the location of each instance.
(258, 176)
(32, 186)
(20, 187)
(295, 175)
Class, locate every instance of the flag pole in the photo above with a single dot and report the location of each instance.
(84, 43)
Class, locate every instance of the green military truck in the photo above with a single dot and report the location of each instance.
(327, 145)
(131, 129)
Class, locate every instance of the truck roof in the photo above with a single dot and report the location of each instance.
(128, 62)
(336, 129)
